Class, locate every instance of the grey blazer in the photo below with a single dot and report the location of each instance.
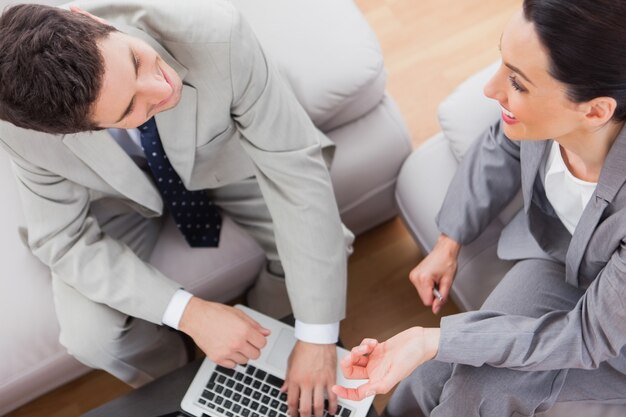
(492, 173)
(236, 119)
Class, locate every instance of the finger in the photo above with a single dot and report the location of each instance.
(238, 358)
(352, 368)
(437, 305)
(425, 291)
(255, 324)
(414, 276)
(257, 338)
(359, 355)
(293, 399)
(318, 400)
(354, 372)
(369, 342)
(358, 360)
(250, 351)
(306, 403)
(445, 284)
(423, 284)
(332, 401)
(444, 289)
(368, 389)
(226, 363)
(347, 393)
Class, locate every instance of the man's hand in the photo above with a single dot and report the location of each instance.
(311, 373)
(436, 270)
(385, 364)
(225, 334)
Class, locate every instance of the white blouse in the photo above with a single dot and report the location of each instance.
(567, 194)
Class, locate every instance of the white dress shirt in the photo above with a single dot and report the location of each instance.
(567, 194)
(130, 141)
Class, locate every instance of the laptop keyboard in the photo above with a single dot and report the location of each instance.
(247, 391)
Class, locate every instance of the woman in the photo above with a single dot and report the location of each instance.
(555, 327)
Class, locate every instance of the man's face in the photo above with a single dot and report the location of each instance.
(137, 83)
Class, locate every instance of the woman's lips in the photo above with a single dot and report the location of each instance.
(508, 117)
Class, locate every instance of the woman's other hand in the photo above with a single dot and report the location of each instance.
(385, 364)
(436, 270)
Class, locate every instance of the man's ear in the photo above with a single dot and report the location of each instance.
(78, 10)
(599, 110)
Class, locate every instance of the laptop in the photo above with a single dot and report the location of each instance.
(253, 390)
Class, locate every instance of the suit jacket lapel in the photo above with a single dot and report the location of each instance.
(531, 155)
(611, 180)
(177, 129)
(100, 152)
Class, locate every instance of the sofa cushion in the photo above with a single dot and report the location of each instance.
(466, 112)
(217, 274)
(336, 54)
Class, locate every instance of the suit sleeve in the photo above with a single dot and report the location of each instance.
(486, 181)
(284, 146)
(63, 234)
(594, 331)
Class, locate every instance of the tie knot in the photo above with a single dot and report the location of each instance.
(149, 125)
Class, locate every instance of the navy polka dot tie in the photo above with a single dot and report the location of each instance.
(196, 216)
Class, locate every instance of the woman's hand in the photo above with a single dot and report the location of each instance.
(385, 364)
(436, 270)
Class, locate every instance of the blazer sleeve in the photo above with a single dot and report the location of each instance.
(63, 234)
(284, 146)
(594, 331)
(487, 179)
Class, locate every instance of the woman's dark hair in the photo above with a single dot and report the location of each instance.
(586, 43)
(51, 69)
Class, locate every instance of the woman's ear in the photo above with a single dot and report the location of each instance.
(76, 9)
(599, 110)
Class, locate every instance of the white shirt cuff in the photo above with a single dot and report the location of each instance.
(317, 333)
(176, 308)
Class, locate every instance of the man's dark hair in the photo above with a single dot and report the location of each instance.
(51, 69)
(585, 41)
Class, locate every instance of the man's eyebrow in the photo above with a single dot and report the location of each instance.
(132, 101)
(511, 67)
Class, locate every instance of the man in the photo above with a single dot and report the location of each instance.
(74, 85)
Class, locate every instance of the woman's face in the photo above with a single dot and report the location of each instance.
(535, 106)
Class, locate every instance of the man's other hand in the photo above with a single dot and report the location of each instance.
(311, 373)
(225, 334)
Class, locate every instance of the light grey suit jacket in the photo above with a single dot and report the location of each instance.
(491, 174)
(236, 119)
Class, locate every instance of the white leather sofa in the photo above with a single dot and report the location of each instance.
(420, 191)
(332, 59)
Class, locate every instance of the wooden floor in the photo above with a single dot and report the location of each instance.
(429, 46)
